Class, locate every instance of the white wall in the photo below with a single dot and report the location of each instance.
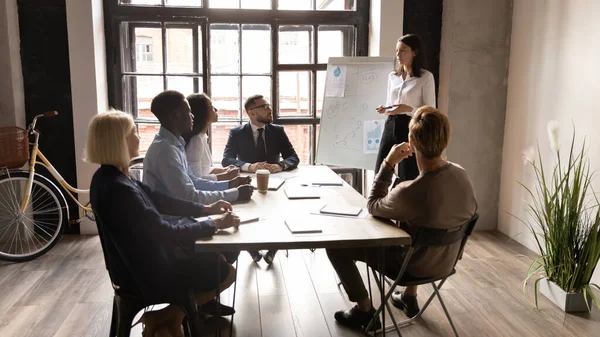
(385, 26)
(554, 75)
(87, 58)
(12, 104)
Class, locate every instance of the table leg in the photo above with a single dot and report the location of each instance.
(218, 297)
(233, 302)
(382, 288)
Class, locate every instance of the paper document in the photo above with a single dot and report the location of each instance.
(335, 84)
(372, 131)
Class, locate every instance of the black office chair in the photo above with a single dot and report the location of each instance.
(427, 237)
(128, 302)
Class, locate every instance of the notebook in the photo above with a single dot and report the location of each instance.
(301, 193)
(302, 225)
(341, 210)
(274, 183)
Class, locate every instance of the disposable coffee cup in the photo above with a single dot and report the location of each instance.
(262, 180)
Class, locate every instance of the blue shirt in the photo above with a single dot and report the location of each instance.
(166, 170)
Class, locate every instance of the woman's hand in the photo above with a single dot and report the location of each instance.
(227, 221)
(239, 181)
(399, 109)
(398, 153)
(228, 173)
(381, 109)
(218, 207)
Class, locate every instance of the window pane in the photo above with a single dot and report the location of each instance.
(225, 96)
(224, 49)
(183, 84)
(295, 4)
(320, 91)
(299, 136)
(147, 132)
(201, 57)
(140, 90)
(295, 44)
(148, 51)
(140, 2)
(180, 50)
(184, 3)
(336, 5)
(220, 133)
(294, 93)
(331, 42)
(256, 4)
(256, 49)
(252, 85)
(224, 4)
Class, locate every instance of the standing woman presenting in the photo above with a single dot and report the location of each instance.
(410, 87)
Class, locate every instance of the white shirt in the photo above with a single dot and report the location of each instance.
(199, 157)
(255, 136)
(414, 91)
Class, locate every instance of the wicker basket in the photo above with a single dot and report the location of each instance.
(14, 147)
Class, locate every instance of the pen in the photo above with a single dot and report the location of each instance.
(387, 107)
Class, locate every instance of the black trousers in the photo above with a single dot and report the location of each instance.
(344, 260)
(395, 131)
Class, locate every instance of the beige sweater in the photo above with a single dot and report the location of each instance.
(443, 198)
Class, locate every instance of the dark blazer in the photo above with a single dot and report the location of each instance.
(240, 148)
(129, 213)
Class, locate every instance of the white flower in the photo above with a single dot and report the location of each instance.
(553, 128)
(529, 156)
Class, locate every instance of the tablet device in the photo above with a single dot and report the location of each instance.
(274, 183)
(301, 193)
(302, 225)
(341, 210)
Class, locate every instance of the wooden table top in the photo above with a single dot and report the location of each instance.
(273, 207)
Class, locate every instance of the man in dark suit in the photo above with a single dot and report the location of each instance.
(260, 145)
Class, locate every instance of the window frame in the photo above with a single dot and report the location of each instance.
(202, 17)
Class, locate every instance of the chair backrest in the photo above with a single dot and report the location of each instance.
(136, 168)
(438, 237)
(113, 261)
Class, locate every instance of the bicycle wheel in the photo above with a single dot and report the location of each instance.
(31, 233)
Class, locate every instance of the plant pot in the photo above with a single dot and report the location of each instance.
(568, 302)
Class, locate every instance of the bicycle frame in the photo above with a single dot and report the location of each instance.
(33, 160)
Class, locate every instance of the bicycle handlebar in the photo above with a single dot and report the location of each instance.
(45, 114)
(50, 114)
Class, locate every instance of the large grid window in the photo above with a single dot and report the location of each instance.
(231, 49)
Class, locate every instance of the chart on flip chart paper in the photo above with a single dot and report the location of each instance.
(351, 128)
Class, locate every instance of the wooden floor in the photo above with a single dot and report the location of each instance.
(67, 293)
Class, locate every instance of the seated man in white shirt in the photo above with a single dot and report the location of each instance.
(260, 144)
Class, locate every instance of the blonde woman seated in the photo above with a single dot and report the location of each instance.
(197, 150)
(130, 215)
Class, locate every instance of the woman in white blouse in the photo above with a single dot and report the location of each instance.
(197, 150)
(410, 87)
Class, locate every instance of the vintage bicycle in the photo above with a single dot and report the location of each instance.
(33, 209)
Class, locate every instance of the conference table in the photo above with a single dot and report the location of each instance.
(273, 208)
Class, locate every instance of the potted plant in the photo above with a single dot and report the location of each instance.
(564, 218)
